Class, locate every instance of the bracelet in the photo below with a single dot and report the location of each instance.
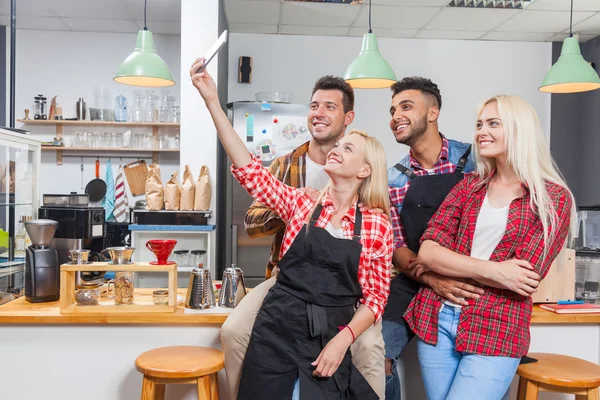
(350, 329)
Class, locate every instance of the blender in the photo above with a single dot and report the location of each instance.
(42, 271)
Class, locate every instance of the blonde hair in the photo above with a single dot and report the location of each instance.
(373, 191)
(528, 154)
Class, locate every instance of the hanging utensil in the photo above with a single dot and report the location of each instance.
(96, 188)
(81, 173)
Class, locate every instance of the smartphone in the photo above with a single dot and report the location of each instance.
(214, 50)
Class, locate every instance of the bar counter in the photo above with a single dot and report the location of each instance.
(20, 311)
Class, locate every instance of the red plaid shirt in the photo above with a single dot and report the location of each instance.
(442, 166)
(294, 208)
(498, 323)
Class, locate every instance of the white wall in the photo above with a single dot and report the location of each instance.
(466, 71)
(198, 133)
(73, 65)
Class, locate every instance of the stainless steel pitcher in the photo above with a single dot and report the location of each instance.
(233, 287)
(200, 293)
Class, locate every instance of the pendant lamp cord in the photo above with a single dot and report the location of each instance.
(145, 5)
(571, 24)
(370, 31)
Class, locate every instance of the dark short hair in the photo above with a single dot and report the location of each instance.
(330, 82)
(424, 85)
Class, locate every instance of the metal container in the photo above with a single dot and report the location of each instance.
(119, 255)
(233, 287)
(200, 294)
(81, 109)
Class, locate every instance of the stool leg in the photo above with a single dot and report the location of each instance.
(204, 388)
(531, 390)
(592, 394)
(148, 388)
(159, 393)
(522, 388)
(214, 387)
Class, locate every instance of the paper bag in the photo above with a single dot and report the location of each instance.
(155, 194)
(188, 189)
(172, 193)
(203, 190)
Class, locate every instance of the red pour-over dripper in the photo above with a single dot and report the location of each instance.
(162, 250)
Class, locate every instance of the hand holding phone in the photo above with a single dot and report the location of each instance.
(212, 52)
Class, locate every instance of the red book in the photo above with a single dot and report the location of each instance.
(571, 308)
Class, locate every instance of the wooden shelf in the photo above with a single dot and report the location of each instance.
(58, 148)
(60, 124)
(99, 123)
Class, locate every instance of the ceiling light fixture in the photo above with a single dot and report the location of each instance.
(570, 73)
(144, 67)
(370, 70)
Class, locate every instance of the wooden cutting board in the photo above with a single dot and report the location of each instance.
(559, 283)
(136, 173)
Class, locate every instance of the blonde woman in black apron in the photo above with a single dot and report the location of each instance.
(334, 279)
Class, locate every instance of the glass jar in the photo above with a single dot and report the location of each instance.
(181, 258)
(123, 286)
(87, 295)
(160, 297)
(198, 258)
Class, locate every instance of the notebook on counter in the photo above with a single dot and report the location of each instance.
(571, 308)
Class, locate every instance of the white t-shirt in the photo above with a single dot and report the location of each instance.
(316, 177)
(336, 233)
(489, 230)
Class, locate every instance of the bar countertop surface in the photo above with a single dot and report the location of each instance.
(19, 311)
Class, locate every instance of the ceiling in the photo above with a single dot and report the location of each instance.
(543, 20)
(116, 16)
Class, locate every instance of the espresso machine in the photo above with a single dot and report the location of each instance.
(42, 270)
(79, 227)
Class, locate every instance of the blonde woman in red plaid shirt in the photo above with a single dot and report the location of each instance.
(502, 227)
(333, 278)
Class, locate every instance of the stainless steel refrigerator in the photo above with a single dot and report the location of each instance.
(269, 130)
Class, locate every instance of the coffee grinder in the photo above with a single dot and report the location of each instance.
(42, 271)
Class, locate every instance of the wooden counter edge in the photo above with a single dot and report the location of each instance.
(540, 316)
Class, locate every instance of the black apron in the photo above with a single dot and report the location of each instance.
(316, 292)
(425, 195)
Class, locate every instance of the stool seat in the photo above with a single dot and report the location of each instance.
(180, 362)
(560, 370)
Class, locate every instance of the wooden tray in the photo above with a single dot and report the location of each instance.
(137, 174)
(141, 304)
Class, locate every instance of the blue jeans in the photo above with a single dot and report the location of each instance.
(452, 375)
(395, 336)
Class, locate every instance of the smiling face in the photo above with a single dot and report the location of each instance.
(489, 136)
(347, 158)
(326, 117)
(410, 116)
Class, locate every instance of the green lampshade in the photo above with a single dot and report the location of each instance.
(144, 67)
(571, 73)
(370, 70)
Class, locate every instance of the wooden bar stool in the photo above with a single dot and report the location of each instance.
(558, 373)
(180, 365)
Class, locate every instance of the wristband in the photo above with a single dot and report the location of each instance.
(350, 329)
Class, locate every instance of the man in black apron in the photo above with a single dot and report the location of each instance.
(316, 292)
(418, 185)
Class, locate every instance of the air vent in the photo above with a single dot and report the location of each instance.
(509, 4)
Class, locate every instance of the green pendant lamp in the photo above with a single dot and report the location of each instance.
(144, 67)
(370, 70)
(570, 73)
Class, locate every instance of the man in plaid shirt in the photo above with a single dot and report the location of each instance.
(330, 112)
(418, 185)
